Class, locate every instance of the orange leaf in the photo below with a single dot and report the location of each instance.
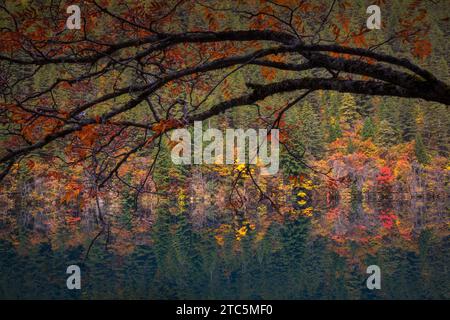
(165, 125)
(421, 49)
(87, 135)
(268, 73)
(73, 189)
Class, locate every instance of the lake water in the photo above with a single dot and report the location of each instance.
(253, 255)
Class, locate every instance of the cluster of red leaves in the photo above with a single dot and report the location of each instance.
(385, 176)
(388, 218)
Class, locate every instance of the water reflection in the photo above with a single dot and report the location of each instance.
(256, 255)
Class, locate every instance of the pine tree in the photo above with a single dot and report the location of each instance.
(364, 106)
(387, 114)
(368, 130)
(332, 111)
(311, 130)
(166, 172)
(386, 135)
(419, 149)
(407, 123)
(348, 113)
(385, 111)
(436, 128)
(334, 131)
(332, 126)
(305, 139)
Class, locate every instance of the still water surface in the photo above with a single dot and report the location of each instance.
(250, 256)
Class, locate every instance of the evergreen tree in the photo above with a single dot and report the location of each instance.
(332, 126)
(364, 105)
(305, 139)
(311, 133)
(419, 149)
(334, 102)
(388, 111)
(368, 130)
(348, 113)
(334, 132)
(436, 125)
(407, 123)
(386, 135)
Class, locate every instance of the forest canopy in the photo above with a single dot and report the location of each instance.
(86, 105)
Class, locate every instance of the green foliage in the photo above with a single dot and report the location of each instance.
(129, 206)
(420, 151)
(334, 132)
(331, 117)
(365, 106)
(307, 138)
(368, 130)
(436, 126)
(347, 111)
(386, 135)
(311, 133)
(166, 172)
(388, 114)
(407, 123)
